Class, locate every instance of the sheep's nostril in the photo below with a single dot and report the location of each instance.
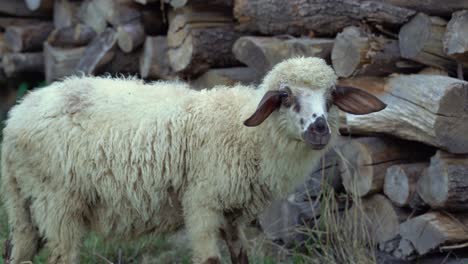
(320, 125)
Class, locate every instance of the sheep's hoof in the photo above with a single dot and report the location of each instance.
(7, 251)
(242, 257)
(212, 260)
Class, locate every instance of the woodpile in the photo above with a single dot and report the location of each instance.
(405, 166)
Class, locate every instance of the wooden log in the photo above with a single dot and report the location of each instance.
(365, 161)
(17, 21)
(154, 61)
(19, 8)
(181, 3)
(88, 14)
(431, 7)
(126, 63)
(144, 2)
(226, 77)
(118, 12)
(322, 17)
(73, 36)
(198, 41)
(444, 185)
(357, 52)
(28, 37)
(426, 108)
(98, 53)
(17, 63)
(379, 217)
(262, 53)
(130, 36)
(61, 62)
(3, 46)
(421, 40)
(66, 13)
(456, 37)
(429, 231)
(401, 181)
(43, 5)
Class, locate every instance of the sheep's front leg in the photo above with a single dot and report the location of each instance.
(203, 226)
(235, 240)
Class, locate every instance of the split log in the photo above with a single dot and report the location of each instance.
(19, 8)
(427, 108)
(323, 17)
(43, 5)
(225, 76)
(60, 62)
(357, 52)
(434, 229)
(98, 53)
(365, 161)
(130, 36)
(88, 14)
(27, 37)
(456, 37)
(262, 53)
(444, 185)
(379, 217)
(17, 63)
(118, 12)
(126, 63)
(421, 40)
(73, 36)
(154, 61)
(66, 13)
(154, 21)
(199, 41)
(401, 181)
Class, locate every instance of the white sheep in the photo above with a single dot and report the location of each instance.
(123, 158)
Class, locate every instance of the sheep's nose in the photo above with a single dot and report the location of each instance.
(320, 126)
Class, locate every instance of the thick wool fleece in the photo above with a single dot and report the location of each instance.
(123, 158)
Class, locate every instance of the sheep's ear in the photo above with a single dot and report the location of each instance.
(269, 103)
(356, 101)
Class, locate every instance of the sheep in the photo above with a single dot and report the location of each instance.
(123, 158)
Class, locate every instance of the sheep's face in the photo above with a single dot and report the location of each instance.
(308, 110)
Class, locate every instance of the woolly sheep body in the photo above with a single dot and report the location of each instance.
(124, 158)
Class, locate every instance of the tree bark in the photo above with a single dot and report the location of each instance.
(88, 14)
(225, 77)
(456, 37)
(366, 159)
(73, 36)
(400, 182)
(427, 108)
(357, 52)
(27, 37)
(421, 40)
(444, 185)
(322, 17)
(17, 21)
(130, 36)
(154, 61)
(17, 63)
(98, 53)
(118, 12)
(61, 62)
(43, 5)
(66, 13)
(431, 230)
(262, 53)
(431, 7)
(181, 3)
(19, 8)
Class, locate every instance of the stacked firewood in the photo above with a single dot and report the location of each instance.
(408, 163)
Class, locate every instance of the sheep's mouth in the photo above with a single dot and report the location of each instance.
(316, 141)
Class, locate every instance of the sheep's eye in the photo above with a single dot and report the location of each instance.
(283, 95)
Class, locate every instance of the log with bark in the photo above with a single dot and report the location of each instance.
(19, 8)
(98, 53)
(181, 3)
(358, 52)
(198, 41)
(118, 12)
(130, 36)
(17, 21)
(18, 63)
(27, 37)
(73, 36)
(154, 61)
(401, 181)
(61, 62)
(262, 53)
(444, 185)
(226, 76)
(429, 231)
(421, 40)
(456, 37)
(427, 108)
(365, 161)
(42, 5)
(66, 13)
(88, 14)
(431, 7)
(154, 21)
(323, 17)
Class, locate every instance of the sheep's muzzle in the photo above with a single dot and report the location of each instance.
(317, 134)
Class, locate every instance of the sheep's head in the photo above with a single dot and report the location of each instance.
(303, 95)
